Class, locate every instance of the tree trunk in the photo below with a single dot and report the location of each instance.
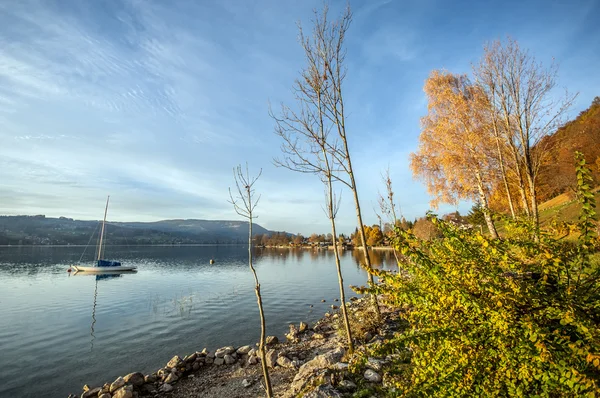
(363, 238)
(339, 268)
(486, 209)
(263, 327)
(503, 172)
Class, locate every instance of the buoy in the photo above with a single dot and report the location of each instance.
(212, 261)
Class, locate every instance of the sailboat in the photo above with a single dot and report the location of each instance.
(103, 265)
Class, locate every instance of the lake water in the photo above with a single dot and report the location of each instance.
(60, 331)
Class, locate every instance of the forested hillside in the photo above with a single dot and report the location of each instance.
(41, 230)
(557, 172)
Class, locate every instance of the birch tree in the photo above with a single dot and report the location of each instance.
(244, 202)
(521, 91)
(454, 156)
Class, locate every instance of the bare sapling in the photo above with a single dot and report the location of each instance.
(244, 202)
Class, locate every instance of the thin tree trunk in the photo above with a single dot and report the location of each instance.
(534, 207)
(486, 209)
(263, 327)
(363, 238)
(503, 172)
(339, 268)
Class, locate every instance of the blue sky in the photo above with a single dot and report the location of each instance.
(154, 102)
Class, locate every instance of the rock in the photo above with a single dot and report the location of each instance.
(341, 366)
(372, 376)
(86, 388)
(190, 358)
(271, 340)
(148, 389)
(347, 385)
(91, 392)
(246, 383)
(105, 395)
(166, 388)
(303, 327)
(219, 361)
(252, 352)
(292, 336)
(118, 383)
(323, 391)
(252, 360)
(244, 350)
(204, 351)
(171, 378)
(174, 362)
(150, 378)
(285, 362)
(318, 336)
(209, 360)
(271, 358)
(196, 366)
(336, 299)
(124, 392)
(210, 355)
(136, 378)
(323, 300)
(316, 365)
(229, 360)
(374, 364)
(334, 307)
(221, 352)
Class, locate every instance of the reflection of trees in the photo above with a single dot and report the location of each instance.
(382, 259)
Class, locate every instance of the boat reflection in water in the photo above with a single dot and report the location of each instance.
(99, 277)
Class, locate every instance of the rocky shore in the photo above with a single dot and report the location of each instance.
(312, 362)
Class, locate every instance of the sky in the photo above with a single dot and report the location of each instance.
(155, 102)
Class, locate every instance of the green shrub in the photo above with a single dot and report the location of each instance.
(504, 317)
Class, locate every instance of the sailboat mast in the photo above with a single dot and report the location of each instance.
(102, 232)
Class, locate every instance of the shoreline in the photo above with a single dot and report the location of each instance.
(312, 357)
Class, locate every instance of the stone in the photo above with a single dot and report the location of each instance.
(271, 358)
(229, 360)
(318, 336)
(303, 327)
(209, 360)
(244, 350)
(221, 352)
(323, 300)
(334, 307)
(204, 351)
(163, 372)
(336, 299)
(105, 388)
(210, 355)
(285, 362)
(166, 388)
(91, 392)
(319, 362)
(118, 383)
(372, 376)
(271, 340)
(292, 336)
(86, 388)
(341, 366)
(252, 352)
(196, 366)
(323, 391)
(246, 383)
(252, 360)
(171, 378)
(374, 364)
(150, 378)
(347, 385)
(136, 378)
(105, 395)
(190, 358)
(148, 389)
(124, 392)
(174, 362)
(219, 361)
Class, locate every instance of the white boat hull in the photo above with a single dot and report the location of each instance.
(79, 268)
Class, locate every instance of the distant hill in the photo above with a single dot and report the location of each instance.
(42, 230)
(557, 173)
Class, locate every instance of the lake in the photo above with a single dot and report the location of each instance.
(60, 331)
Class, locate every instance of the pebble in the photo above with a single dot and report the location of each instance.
(166, 388)
(271, 340)
(246, 383)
